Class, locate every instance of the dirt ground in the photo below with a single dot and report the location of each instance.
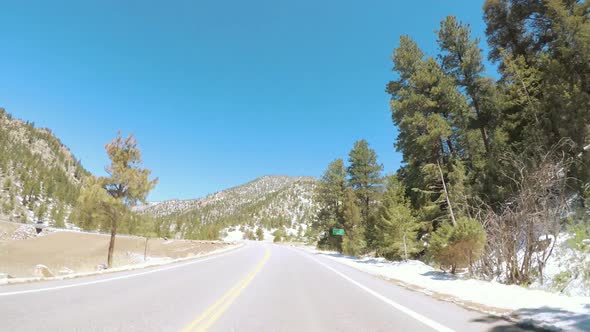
(7, 230)
(83, 252)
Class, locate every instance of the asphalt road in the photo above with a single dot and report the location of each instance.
(260, 287)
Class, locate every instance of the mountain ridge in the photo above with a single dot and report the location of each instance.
(270, 202)
(41, 179)
(40, 176)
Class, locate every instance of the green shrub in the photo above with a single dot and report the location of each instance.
(459, 246)
(561, 280)
(260, 234)
(280, 235)
(353, 243)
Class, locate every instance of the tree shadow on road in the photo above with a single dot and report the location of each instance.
(528, 317)
(506, 325)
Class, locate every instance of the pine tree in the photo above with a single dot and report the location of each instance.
(249, 235)
(330, 197)
(459, 246)
(331, 190)
(41, 211)
(7, 184)
(434, 125)
(58, 215)
(364, 176)
(545, 67)
(427, 108)
(397, 228)
(260, 234)
(280, 235)
(94, 208)
(127, 183)
(462, 59)
(353, 241)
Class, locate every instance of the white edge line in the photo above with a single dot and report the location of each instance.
(422, 319)
(196, 261)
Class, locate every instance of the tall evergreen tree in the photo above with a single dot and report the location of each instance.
(432, 116)
(364, 176)
(462, 59)
(353, 241)
(127, 183)
(543, 52)
(330, 196)
(332, 189)
(434, 127)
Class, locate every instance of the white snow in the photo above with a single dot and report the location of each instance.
(567, 260)
(541, 307)
(268, 235)
(233, 236)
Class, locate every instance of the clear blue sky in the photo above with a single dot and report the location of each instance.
(218, 92)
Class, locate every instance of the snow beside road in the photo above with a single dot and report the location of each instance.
(540, 307)
(570, 263)
(234, 236)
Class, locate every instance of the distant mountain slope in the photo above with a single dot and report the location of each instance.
(40, 179)
(270, 202)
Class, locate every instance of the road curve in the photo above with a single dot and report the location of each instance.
(261, 287)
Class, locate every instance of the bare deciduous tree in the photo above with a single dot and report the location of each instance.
(522, 233)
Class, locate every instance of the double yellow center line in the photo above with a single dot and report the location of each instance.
(212, 314)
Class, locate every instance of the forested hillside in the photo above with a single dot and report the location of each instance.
(40, 178)
(494, 170)
(270, 202)
(41, 181)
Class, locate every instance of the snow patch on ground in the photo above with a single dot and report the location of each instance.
(234, 235)
(543, 308)
(573, 263)
(269, 235)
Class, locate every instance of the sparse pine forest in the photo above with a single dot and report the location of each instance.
(494, 168)
(496, 165)
(39, 177)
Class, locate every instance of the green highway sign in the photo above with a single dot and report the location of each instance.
(338, 232)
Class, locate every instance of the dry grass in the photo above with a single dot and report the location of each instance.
(82, 252)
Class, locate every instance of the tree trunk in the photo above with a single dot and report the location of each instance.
(450, 145)
(367, 207)
(112, 243)
(482, 127)
(447, 194)
(405, 248)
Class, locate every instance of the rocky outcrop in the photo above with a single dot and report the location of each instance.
(42, 271)
(24, 232)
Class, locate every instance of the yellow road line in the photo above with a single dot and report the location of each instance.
(220, 306)
(213, 307)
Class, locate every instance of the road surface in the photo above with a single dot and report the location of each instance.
(260, 287)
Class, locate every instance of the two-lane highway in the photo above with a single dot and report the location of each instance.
(260, 287)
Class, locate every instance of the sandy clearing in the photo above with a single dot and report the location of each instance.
(7, 229)
(82, 252)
